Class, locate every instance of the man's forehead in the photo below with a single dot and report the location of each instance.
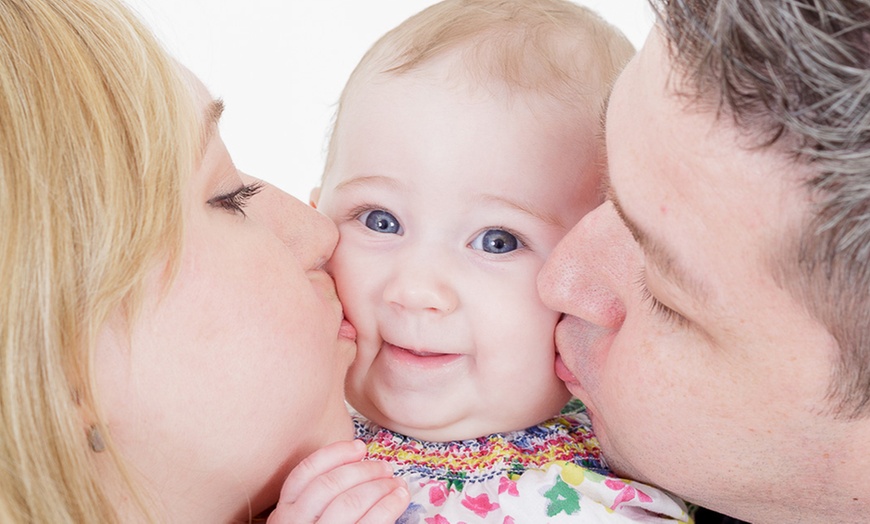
(644, 149)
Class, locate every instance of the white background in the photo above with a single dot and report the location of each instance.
(280, 65)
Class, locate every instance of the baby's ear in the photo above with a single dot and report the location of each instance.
(314, 197)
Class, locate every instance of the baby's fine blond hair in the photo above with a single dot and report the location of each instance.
(553, 48)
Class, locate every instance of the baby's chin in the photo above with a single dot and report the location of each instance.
(471, 426)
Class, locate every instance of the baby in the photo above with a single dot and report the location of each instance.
(467, 142)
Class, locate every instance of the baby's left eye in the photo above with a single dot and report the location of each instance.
(496, 241)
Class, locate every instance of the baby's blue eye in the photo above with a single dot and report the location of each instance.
(381, 221)
(496, 241)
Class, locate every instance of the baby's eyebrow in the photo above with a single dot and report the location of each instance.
(523, 207)
(377, 180)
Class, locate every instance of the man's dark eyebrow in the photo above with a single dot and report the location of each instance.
(657, 253)
(636, 232)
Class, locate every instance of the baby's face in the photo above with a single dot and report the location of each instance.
(448, 201)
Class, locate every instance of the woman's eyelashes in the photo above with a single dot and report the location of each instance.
(235, 201)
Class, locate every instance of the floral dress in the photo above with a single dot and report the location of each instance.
(549, 473)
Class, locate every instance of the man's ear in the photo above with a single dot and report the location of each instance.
(314, 196)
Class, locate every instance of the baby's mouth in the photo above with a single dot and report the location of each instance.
(420, 353)
(420, 357)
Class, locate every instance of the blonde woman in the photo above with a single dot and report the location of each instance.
(170, 347)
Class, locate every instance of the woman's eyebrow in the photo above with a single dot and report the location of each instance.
(214, 110)
(211, 117)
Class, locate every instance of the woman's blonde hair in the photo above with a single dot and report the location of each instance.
(98, 133)
(555, 48)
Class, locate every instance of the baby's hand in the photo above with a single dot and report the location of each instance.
(334, 484)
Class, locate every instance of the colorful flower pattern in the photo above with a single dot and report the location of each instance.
(550, 473)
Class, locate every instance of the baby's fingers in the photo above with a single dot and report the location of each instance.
(389, 508)
(374, 502)
(318, 463)
(348, 492)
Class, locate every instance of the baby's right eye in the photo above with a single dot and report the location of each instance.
(381, 221)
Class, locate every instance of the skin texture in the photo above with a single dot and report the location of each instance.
(233, 373)
(719, 393)
(454, 342)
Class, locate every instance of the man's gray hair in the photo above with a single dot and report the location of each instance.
(795, 75)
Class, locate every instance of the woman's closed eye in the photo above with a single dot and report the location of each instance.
(235, 201)
(381, 221)
(496, 241)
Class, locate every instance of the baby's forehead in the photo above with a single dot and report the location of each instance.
(579, 83)
(378, 90)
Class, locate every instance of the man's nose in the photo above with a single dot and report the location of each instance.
(589, 273)
(421, 281)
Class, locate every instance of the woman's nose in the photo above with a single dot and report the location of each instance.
(589, 272)
(308, 233)
(421, 282)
